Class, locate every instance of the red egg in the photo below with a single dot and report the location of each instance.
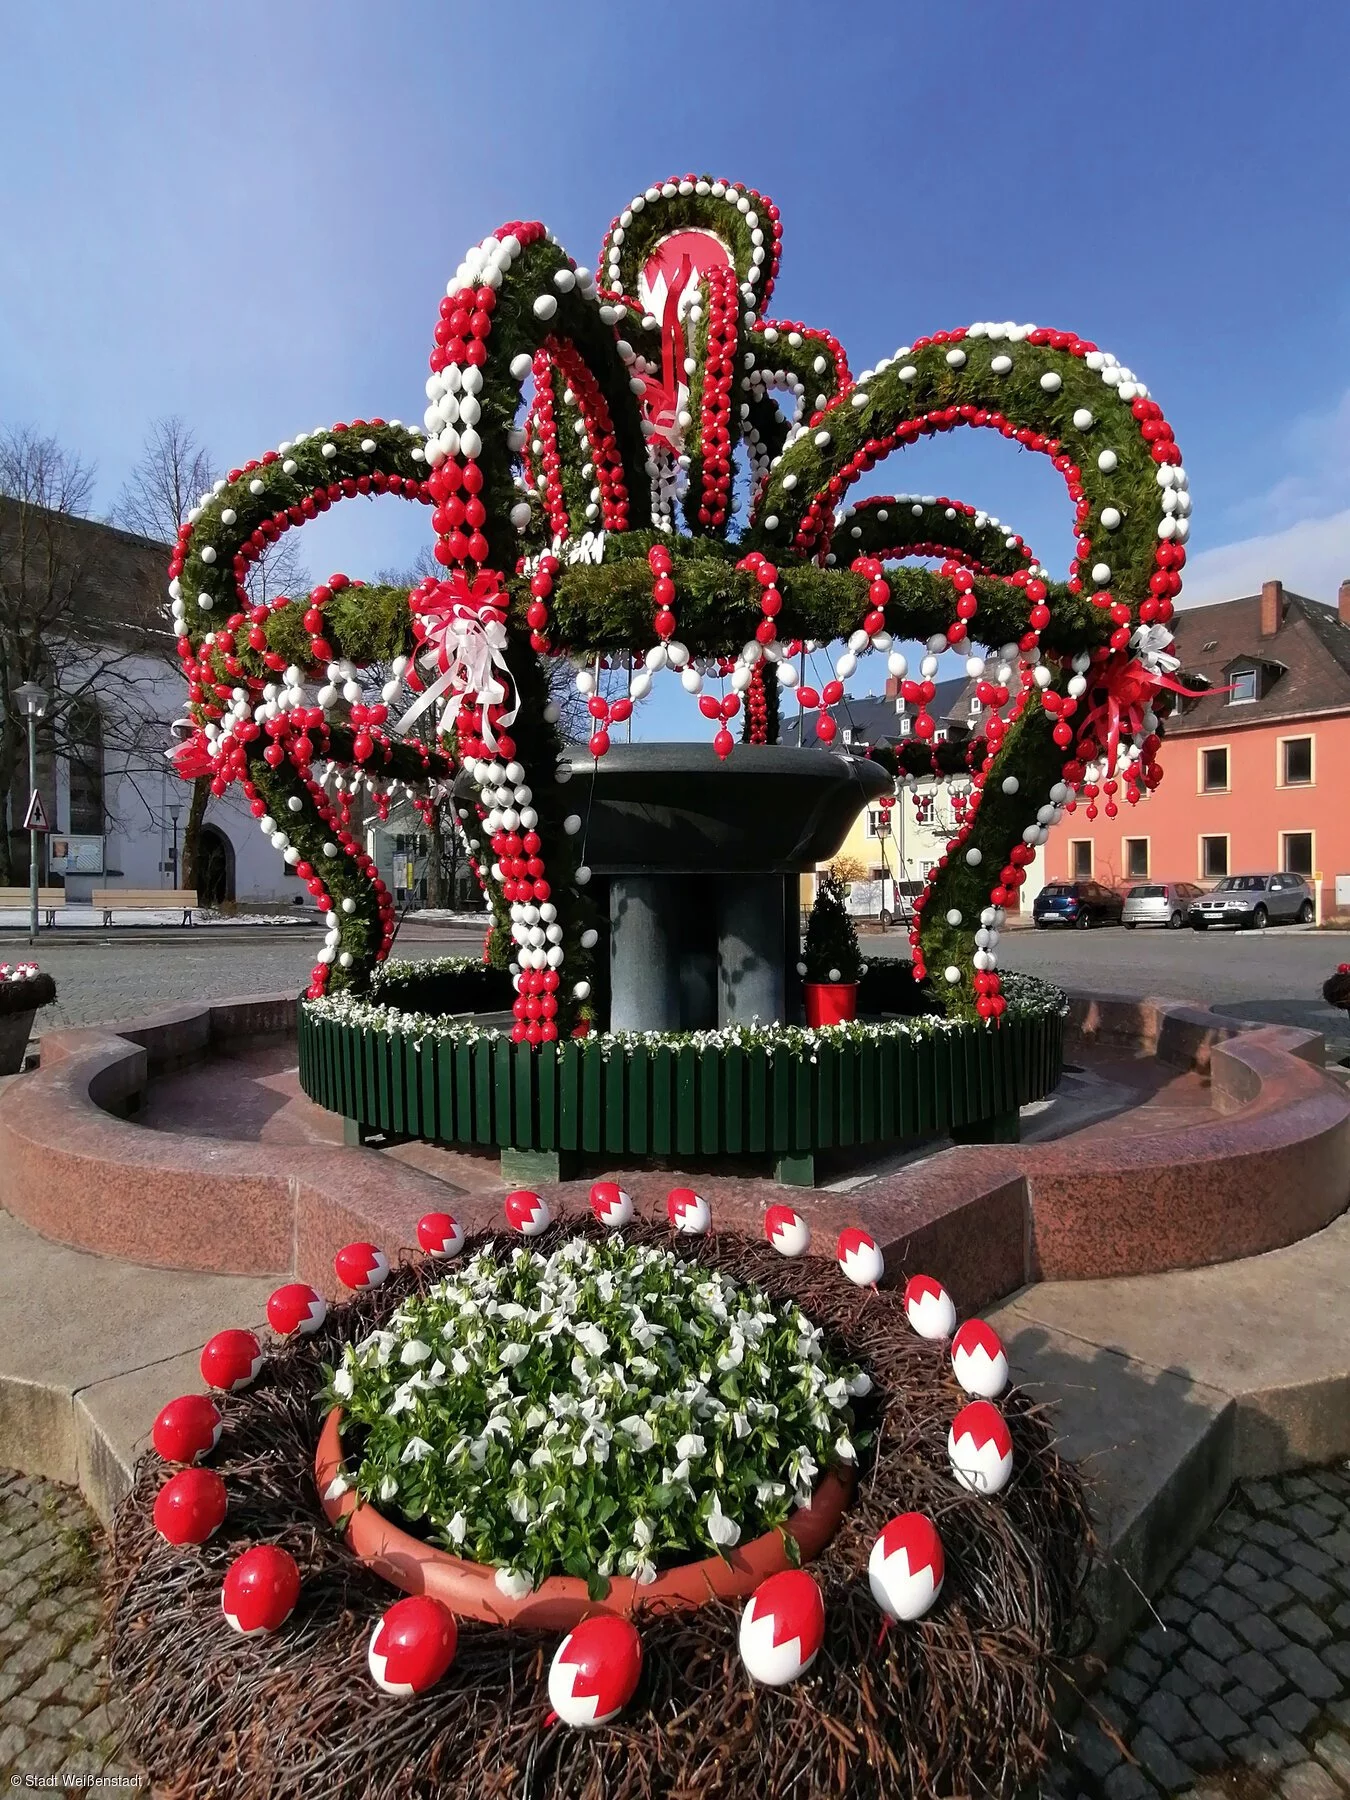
(979, 1360)
(231, 1360)
(297, 1307)
(929, 1308)
(611, 1205)
(979, 1447)
(361, 1266)
(412, 1645)
(860, 1257)
(595, 1671)
(688, 1212)
(439, 1235)
(787, 1231)
(190, 1507)
(260, 1590)
(782, 1628)
(187, 1429)
(907, 1566)
(528, 1212)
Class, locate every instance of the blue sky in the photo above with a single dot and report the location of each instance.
(246, 215)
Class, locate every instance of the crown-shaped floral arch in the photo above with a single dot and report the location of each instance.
(580, 457)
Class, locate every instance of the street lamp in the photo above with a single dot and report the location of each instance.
(32, 698)
(173, 854)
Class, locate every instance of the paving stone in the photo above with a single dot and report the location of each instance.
(1138, 1661)
(1334, 1751)
(1217, 1717)
(1313, 1558)
(1295, 1713)
(1299, 1486)
(1272, 1532)
(1309, 1781)
(1098, 1753)
(1160, 1762)
(1226, 1544)
(1206, 1671)
(1160, 1641)
(1213, 1637)
(1312, 1587)
(1309, 1519)
(1338, 1657)
(1258, 1557)
(1309, 1674)
(1126, 1783)
(1229, 1604)
(1301, 1622)
(56, 1721)
(1203, 1755)
(12, 1744)
(1204, 1563)
(1173, 1610)
(19, 1711)
(1258, 1673)
(1262, 1496)
(1177, 1681)
(1168, 1716)
(1262, 1633)
(1267, 1754)
(1340, 1711)
(1242, 1575)
(32, 1656)
(1341, 1617)
(50, 1682)
(1127, 1688)
(1191, 1584)
(1243, 1701)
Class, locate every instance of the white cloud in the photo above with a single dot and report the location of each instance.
(1305, 518)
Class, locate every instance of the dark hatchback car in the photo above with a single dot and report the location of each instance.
(1080, 903)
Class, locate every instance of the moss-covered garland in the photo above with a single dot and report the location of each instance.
(892, 526)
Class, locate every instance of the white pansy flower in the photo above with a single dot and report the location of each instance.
(457, 1528)
(639, 1430)
(690, 1445)
(514, 1354)
(514, 1583)
(859, 1384)
(844, 1450)
(343, 1383)
(723, 1531)
(416, 1450)
(414, 1353)
(642, 1533)
(388, 1488)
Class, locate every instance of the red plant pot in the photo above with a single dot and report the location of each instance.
(470, 1589)
(830, 1002)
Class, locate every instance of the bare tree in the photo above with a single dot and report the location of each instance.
(65, 618)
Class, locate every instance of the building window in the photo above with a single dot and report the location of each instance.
(847, 734)
(1080, 859)
(84, 754)
(1213, 857)
(976, 706)
(1214, 770)
(1244, 684)
(905, 723)
(876, 874)
(878, 822)
(1296, 852)
(1296, 762)
(1136, 858)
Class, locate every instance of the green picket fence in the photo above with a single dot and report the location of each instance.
(677, 1100)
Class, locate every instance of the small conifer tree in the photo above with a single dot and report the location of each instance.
(832, 952)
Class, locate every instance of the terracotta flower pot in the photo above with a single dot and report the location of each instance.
(830, 1002)
(470, 1589)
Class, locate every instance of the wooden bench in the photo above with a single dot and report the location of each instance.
(15, 899)
(145, 900)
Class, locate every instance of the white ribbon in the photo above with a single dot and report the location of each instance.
(472, 651)
(1152, 644)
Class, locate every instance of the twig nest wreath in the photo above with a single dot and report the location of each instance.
(596, 1402)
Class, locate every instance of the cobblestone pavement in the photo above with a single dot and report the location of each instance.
(1239, 1686)
(55, 1717)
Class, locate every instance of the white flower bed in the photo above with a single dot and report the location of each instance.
(602, 1410)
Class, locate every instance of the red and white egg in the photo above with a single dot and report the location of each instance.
(361, 1266)
(190, 1507)
(860, 1257)
(979, 1360)
(412, 1645)
(230, 1361)
(929, 1308)
(782, 1628)
(187, 1429)
(528, 1213)
(611, 1204)
(260, 1590)
(979, 1447)
(440, 1235)
(297, 1307)
(906, 1566)
(787, 1231)
(689, 1212)
(595, 1671)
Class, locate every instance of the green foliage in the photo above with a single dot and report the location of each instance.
(831, 952)
(602, 1410)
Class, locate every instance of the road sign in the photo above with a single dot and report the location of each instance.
(35, 819)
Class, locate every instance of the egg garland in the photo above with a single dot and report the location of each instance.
(595, 1671)
(907, 1567)
(260, 1590)
(929, 1308)
(187, 1429)
(439, 1234)
(787, 1231)
(688, 1212)
(412, 1646)
(979, 1448)
(611, 1205)
(860, 1257)
(190, 1507)
(296, 1307)
(979, 1360)
(528, 1213)
(782, 1628)
(360, 1266)
(230, 1361)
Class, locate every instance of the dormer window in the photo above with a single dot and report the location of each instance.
(1246, 685)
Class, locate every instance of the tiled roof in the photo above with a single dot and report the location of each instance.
(110, 579)
(873, 719)
(1307, 661)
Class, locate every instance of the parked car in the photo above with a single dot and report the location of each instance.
(1080, 903)
(1254, 901)
(1159, 903)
